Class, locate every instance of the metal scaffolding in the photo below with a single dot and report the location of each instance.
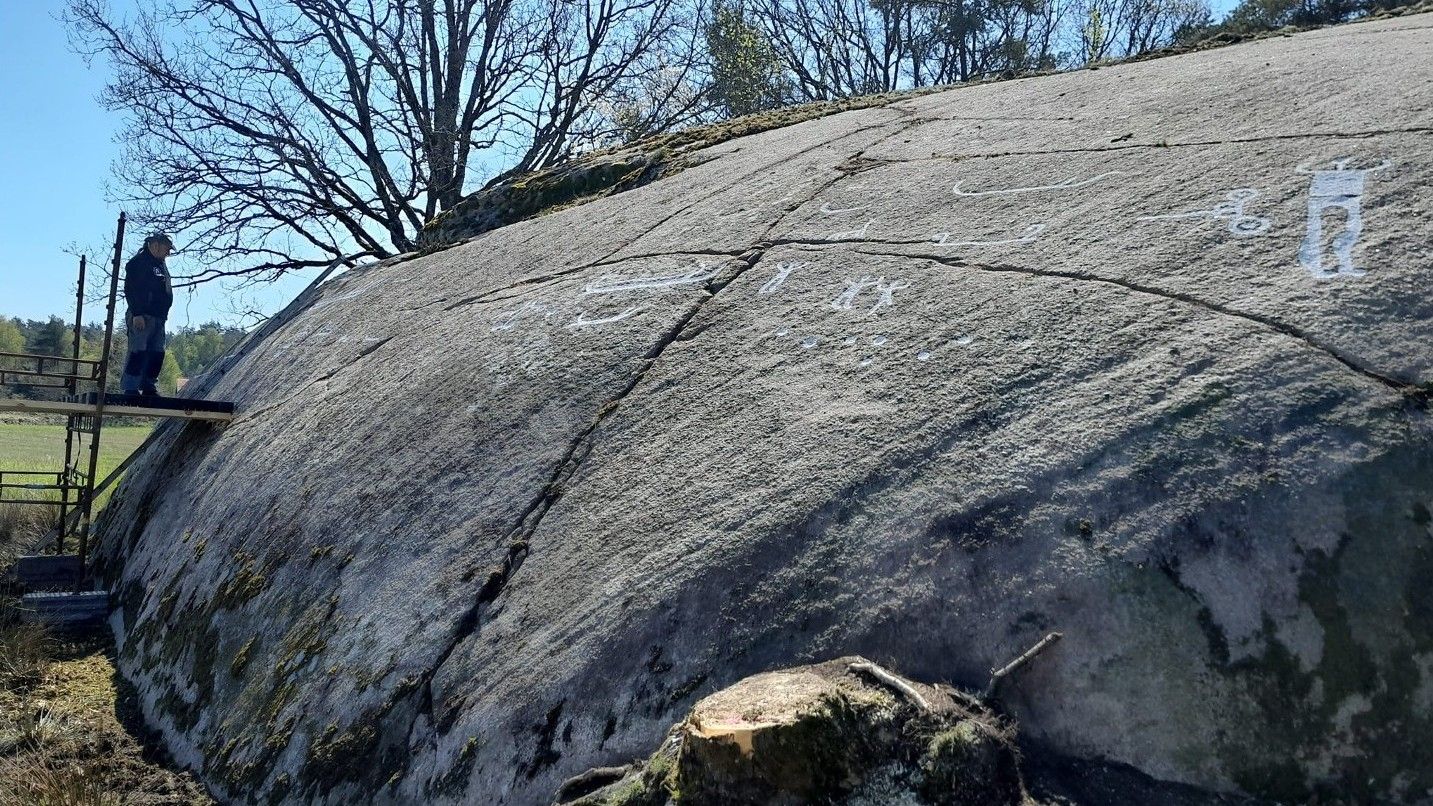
(86, 404)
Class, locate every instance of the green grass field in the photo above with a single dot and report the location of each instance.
(41, 446)
(25, 446)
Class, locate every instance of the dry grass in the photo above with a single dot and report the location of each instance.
(21, 526)
(69, 728)
(30, 779)
(25, 651)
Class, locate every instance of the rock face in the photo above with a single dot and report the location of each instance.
(1139, 354)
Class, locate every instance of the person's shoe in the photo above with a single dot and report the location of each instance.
(149, 391)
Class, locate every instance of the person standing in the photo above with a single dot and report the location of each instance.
(148, 293)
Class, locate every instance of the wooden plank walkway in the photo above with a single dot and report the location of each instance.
(128, 406)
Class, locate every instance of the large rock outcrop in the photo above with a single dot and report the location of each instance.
(1140, 354)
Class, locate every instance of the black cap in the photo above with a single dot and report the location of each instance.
(159, 237)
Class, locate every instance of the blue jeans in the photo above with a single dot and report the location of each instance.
(146, 355)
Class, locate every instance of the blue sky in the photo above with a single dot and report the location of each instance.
(56, 145)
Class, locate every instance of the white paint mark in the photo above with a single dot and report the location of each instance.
(509, 319)
(1336, 187)
(850, 341)
(827, 209)
(964, 340)
(865, 362)
(809, 342)
(783, 270)
(878, 340)
(853, 233)
(923, 355)
(583, 321)
(887, 292)
(607, 285)
(1031, 233)
(1240, 223)
(843, 301)
(1068, 184)
(782, 332)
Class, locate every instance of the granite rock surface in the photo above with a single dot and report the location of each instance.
(1139, 354)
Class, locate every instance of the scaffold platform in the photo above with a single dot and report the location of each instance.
(121, 405)
(57, 588)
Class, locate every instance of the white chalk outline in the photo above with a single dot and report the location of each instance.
(1031, 233)
(843, 301)
(826, 209)
(853, 233)
(887, 292)
(783, 270)
(583, 321)
(611, 286)
(1068, 184)
(1240, 223)
(1336, 187)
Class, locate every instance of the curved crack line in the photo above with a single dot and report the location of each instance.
(1418, 396)
(577, 452)
(1363, 135)
(611, 256)
(581, 446)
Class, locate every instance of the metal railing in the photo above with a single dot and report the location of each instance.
(76, 487)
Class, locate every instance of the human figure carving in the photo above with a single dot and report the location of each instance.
(1337, 187)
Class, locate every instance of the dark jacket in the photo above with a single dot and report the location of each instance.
(146, 286)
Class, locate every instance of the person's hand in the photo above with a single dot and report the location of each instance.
(137, 322)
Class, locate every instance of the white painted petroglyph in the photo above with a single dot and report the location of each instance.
(782, 332)
(610, 285)
(1031, 233)
(809, 342)
(1334, 187)
(1068, 184)
(783, 270)
(866, 362)
(1240, 223)
(847, 234)
(887, 292)
(509, 319)
(964, 340)
(844, 300)
(850, 341)
(878, 340)
(827, 209)
(923, 355)
(583, 321)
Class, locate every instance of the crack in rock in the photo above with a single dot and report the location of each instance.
(1417, 395)
(581, 446)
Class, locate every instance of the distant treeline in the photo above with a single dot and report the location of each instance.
(192, 350)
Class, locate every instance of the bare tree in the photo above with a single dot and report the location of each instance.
(1120, 28)
(283, 134)
(840, 48)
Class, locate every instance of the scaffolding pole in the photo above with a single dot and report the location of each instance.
(101, 383)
